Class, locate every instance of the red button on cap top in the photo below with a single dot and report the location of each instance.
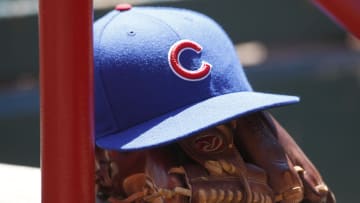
(123, 7)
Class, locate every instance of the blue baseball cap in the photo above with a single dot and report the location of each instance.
(162, 74)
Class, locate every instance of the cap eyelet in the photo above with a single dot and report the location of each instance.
(131, 33)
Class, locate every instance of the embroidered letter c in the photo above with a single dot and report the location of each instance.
(190, 75)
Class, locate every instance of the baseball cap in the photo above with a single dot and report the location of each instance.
(162, 74)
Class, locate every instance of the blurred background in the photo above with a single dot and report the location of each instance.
(287, 47)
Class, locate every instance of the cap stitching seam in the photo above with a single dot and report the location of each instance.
(159, 20)
(101, 75)
(103, 85)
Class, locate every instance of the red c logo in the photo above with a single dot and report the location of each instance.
(179, 70)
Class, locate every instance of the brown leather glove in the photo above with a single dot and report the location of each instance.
(251, 159)
(292, 176)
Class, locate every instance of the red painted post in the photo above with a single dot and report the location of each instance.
(66, 78)
(345, 12)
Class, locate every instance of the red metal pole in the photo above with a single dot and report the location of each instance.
(66, 77)
(345, 12)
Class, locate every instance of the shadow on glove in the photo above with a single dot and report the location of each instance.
(249, 160)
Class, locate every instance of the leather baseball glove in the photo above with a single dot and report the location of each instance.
(249, 160)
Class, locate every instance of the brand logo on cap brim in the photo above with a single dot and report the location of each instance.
(191, 75)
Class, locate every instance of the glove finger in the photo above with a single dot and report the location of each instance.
(314, 186)
(213, 149)
(161, 184)
(255, 140)
(208, 188)
(257, 178)
(123, 165)
(213, 145)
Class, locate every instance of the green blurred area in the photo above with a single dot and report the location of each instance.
(307, 56)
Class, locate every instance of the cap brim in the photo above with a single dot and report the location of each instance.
(192, 119)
